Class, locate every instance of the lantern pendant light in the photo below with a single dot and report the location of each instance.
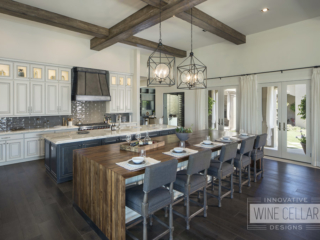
(192, 73)
(161, 67)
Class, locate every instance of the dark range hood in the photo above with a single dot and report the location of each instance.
(90, 84)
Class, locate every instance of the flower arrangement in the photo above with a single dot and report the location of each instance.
(183, 133)
(184, 130)
(303, 141)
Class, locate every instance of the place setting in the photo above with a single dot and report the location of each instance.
(181, 151)
(207, 143)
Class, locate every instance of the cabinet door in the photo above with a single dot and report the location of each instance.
(121, 80)
(121, 99)
(113, 80)
(47, 155)
(21, 71)
(15, 150)
(2, 151)
(64, 99)
(32, 147)
(37, 72)
(42, 147)
(128, 81)
(6, 70)
(51, 73)
(37, 100)
(66, 158)
(52, 98)
(114, 100)
(93, 143)
(128, 97)
(21, 98)
(6, 98)
(65, 75)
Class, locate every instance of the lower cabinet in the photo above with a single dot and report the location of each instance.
(65, 160)
(32, 147)
(2, 151)
(14, 150)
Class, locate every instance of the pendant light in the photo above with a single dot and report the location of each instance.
(192, 73)
(161, 67)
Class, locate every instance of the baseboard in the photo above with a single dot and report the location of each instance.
(20, 161)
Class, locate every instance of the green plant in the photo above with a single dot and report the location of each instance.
(210, 105)
(302, 138)
(302, 108)
(184, 130)
(293, 107)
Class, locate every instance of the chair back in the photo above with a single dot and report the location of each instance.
(199, 162)
(228, 152)
(160, 174)
(247, 145)
(261, 141)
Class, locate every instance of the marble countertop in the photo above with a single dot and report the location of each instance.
(69, 137)
(60, 128)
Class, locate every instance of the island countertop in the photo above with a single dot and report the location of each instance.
(70, 137)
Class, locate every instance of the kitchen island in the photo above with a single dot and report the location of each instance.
(59, 147)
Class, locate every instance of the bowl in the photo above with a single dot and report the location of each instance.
(137, 159)
(207, 142)
(183, 136)
(226, 138)
(178, 149)
(244, 134)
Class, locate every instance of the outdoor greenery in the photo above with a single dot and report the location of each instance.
(184, 130)
(302, 108)
(210, 105)
(293, 107)
(302, 138)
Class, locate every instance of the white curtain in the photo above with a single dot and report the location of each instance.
(249, 102)
(315, 116)
(200, 122)
(228, 106)
(271, 112)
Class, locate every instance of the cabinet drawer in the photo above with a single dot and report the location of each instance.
(34, 135)
(11, 137)
(110, 140)
(172, 131)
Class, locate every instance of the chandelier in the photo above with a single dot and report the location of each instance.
(192, 73)
(161, 67)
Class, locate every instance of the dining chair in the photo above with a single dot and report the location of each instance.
(221, 167)
(258, 154)
(153, 195)
(191, 180)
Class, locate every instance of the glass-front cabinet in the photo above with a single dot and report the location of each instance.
(121, 80)
(52, 73)
(129, 81)
(37, 72)
(64, 75)
(5, 70)
(113, 80)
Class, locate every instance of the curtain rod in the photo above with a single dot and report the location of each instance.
(241, 75)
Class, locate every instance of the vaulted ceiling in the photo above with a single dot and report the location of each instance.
(243, 16)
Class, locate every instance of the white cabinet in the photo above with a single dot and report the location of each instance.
(52, 73)
(32, 147)
(128, 104)
(2, 151)
(37, 98)
(21, 71)
(42, 150)
(65, 75)
(121, 99)
(22, 97)
(14, 150)
(64, 99)
(113, 104)
(6, 70)
(52, 98)
(6, 97)
(37, 72)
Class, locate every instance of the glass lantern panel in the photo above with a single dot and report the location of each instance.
(52, 74)
(64, 75)
(37, 73)
(113, 80)
(121, 81)
(22, 72)
(4, 70)
(162, 71)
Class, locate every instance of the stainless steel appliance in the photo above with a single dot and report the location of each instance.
(93, 126)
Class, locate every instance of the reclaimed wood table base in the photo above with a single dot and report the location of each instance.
(99, 183)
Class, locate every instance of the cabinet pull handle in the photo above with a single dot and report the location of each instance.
(284, 126)
(279, 126)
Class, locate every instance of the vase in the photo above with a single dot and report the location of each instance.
(183, 136)
(304, 147)
(21, 73)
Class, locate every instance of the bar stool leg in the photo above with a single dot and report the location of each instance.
(151, 220)
(220, 191)
(166, 212)
(205, 202)
(262, 162)
(171, 222)
(240, 178)
(249, 176)
(231, 186)
(188, 213)
(255, 171)
(198, 194)
(145, 233)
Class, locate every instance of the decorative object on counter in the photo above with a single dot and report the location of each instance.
(183, 133)
(161, 67)
(161, 120)
(192, 75)
(21, 73)
(138, 148)
(128, 138)
(70, 122)
(38, 123)
(19, 128)
(83, 132)
(147, 113)
(138, 137)
(113, 127)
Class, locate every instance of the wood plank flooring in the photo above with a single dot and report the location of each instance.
(33, 207)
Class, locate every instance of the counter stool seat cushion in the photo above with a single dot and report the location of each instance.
(245, 161)
(258, 155)
(197, 181)
(226, 168)
(157, 198)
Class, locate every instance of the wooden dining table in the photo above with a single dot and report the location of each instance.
(99, 184)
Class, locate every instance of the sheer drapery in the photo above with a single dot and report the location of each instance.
(249, 102)
(271, 112)
(200, 122)
(315, 116)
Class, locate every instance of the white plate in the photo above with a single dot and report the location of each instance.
(224, 140)
(243, 134)
(207, 142)
(184, 152)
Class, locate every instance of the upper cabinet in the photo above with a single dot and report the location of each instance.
(37, 72)
(128, 81)
(64, 75)
(121, 81)
(6, 98)
(6, 70)
(113, 80)
(52, 73)
(21, 71)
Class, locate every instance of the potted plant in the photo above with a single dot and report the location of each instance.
(183, 133)
(303, 141)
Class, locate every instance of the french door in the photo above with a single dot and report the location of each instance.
(285, 117)
(222, 108)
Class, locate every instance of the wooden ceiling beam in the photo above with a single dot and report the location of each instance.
(205, 22)
(24, 11)
(141, 20)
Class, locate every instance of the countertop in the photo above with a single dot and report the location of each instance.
(60, 128)
(69, 137)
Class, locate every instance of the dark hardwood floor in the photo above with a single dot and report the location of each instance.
(33, 207)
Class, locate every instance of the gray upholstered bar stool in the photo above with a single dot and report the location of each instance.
(190, 180)
(258, 154)
(243, 161)
(153, 195)
(222, 166)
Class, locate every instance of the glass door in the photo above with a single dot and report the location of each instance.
(285, 109)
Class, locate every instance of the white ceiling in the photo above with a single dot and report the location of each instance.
(243, 15)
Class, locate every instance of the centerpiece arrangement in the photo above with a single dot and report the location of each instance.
(183, 133)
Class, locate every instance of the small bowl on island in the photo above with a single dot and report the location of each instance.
(137, 160)
(178, 149)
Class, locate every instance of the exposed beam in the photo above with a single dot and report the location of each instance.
(141, 20)
(149, 45)
(206, 22)
(42, 16)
